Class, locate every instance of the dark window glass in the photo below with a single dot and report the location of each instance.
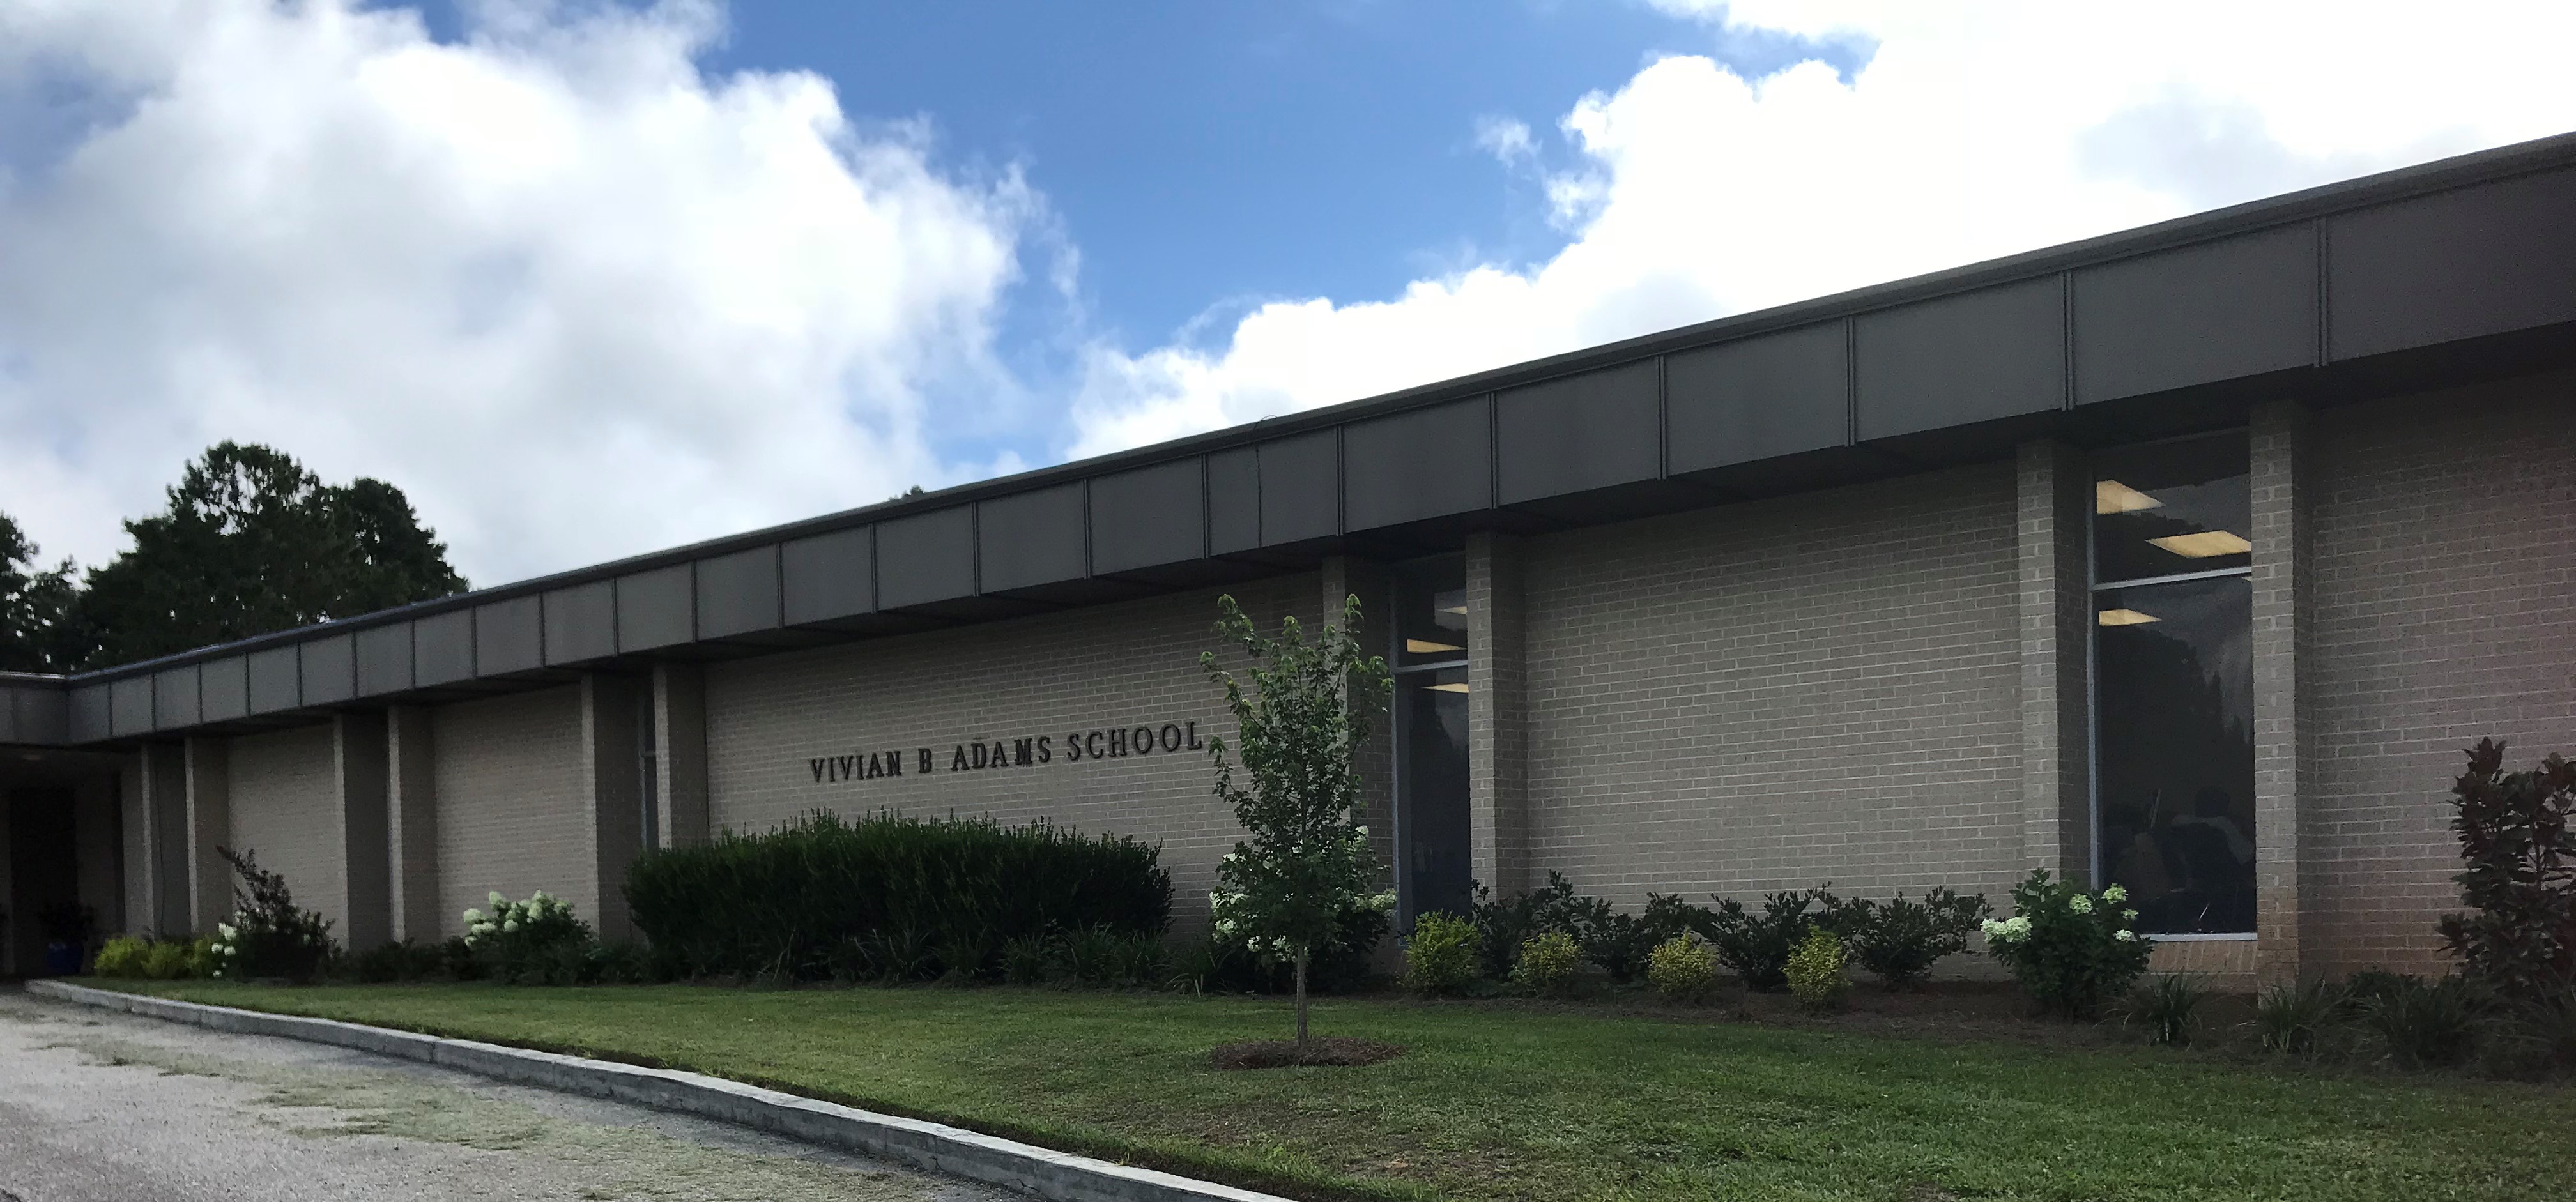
(1431, 611)
(1431, 820)
(2171, 508)
(2175, 676)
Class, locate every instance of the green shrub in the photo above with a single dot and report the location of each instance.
(1549, 964)
(121, 956)
(1758, 946)
(2071, 950)
(269, 936)
(1683, 969)
(167, 960)
(534, 942)
(2424, 1025)
(1442, 957)
(1504, 925)
(1622, 943)
(2520, 883)
(1815, 970)
(2169, 1008)
(1898, 941)
(2295, 1019)
(886, 897)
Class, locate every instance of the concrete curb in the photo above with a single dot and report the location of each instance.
(934, 1147)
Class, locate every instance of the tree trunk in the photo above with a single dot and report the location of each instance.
(1301, 1005)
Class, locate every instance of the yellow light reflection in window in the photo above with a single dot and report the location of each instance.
(2111, 496)
(1427, 647)
(2127, 617)
(2207, 544)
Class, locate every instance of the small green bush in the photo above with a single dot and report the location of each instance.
(1683, 969)
(1549, 964)
(167, 961)
(1504, 925)
(2296, 1019)
(121, 956)
(1899, 940)
(2071, 950)
(2169, 1008)
(1442, 957)
(1815, 971)
(1758, 945)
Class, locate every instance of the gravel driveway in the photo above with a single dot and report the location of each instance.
(102, 1107)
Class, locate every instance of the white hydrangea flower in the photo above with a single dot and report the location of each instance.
(498, 901)
(2080, 904)
(226, 930)
(2115, 895)
(2126, 937)
(473, 916)
(2129, 915)
(511, 925)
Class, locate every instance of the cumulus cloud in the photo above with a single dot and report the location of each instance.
(1977, 128)
(577, 297)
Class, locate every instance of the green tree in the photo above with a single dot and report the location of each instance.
(1306, 860)
(250, 543)
(37, 628)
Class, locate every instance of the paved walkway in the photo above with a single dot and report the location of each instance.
(99, 1107)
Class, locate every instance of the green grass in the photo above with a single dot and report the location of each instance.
(1496, 1103)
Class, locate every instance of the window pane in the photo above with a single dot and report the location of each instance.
(2171, 508)
(1431, 826)
(1431, 611)
(2175, 699)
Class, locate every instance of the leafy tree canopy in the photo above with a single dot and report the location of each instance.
(250, 543)
(36, 618)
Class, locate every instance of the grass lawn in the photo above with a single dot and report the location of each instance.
(1502, 1103)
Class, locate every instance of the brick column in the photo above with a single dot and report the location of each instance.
(680, 760)
(208, 811)
(411, 826)
(612, 780)
(1497, 714)
(2282, 622)
(159, 816)
(359, 767)
(2054, 621)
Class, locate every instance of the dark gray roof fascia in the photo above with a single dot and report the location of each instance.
(2308, 205)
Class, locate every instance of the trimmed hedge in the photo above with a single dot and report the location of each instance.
(889, 897)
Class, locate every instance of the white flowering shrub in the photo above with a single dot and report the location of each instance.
(268, 936)
(2070, 949)
(537, 940)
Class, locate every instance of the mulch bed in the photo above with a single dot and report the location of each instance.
(1339, 1050)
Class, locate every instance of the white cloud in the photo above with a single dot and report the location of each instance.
(577, 298)
(1506, 139)
(1977, 129)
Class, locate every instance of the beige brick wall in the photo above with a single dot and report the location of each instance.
(1774, 694)
(285, 806)
(1124, 665)
(2445, 610)
(511, 815)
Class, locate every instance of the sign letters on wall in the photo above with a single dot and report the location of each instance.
(1026, 751)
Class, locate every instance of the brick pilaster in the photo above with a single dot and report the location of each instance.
(2053, 621)
(2283, 625)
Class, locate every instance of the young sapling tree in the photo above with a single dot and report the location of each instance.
(1290, 777)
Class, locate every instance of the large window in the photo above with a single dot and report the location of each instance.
(2173, 677)
(1433, 868)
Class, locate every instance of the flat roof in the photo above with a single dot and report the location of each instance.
(2440, 273)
